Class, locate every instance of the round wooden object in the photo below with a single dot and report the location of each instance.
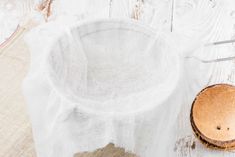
(213, 116)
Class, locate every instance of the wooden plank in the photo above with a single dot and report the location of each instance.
(15, 129)
(12, 12)
(187, 145)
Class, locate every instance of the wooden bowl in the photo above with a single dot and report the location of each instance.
(213, 116)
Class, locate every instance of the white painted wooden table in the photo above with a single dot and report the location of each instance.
(158, 12)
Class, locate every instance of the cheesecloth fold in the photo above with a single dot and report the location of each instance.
(92, 83)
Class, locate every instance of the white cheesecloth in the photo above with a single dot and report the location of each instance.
(104, 81)
(92, 83)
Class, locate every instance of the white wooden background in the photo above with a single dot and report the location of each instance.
(156, 13)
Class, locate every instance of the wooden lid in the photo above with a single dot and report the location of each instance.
(213, 116)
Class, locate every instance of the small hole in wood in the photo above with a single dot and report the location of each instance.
(218, 128)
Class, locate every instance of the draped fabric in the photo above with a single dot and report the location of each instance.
(100, 75)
